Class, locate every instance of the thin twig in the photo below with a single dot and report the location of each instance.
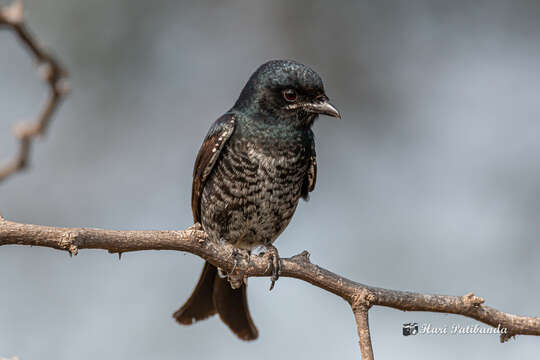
(53, 74)
(195, 241)
(360, 305)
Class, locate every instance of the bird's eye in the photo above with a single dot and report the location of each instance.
(289, 95)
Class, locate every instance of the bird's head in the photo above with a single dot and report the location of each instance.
(285, 90)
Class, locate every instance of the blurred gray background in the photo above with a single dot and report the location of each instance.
(429, 183)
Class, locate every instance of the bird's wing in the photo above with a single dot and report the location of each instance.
(311, 176)
(216, 138)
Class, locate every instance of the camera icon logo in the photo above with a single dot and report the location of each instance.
(410, 329)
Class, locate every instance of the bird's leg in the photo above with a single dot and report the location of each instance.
(236, 278)
(234, 254)
(275, 261)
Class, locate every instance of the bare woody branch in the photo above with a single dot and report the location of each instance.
(193, 240)
(360, 304)
(53, 74)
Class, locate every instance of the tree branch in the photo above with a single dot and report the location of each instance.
(360, 304)
(193, 240)
(52, 72)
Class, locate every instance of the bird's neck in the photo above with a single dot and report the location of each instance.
(269, 128)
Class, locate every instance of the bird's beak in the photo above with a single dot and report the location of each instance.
(324, 108)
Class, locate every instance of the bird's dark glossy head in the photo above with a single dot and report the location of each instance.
(285, 90)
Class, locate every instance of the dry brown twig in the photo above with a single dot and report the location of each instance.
(193, 240)
(53, 74)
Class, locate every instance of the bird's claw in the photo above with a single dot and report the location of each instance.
(236, 278)
(275, 262)
(234, 254)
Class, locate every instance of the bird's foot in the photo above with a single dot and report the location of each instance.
(274, 262)
(236, 276)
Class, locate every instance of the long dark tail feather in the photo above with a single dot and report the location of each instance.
(200, 304)
(232, 307)
(214, 294)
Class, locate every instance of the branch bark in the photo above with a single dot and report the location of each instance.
(360, 304)
(53, 74)
(193, 240)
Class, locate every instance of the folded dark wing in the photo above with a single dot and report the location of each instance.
(217, 137)
(311, 176)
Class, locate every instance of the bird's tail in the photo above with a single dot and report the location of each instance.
(213, 294)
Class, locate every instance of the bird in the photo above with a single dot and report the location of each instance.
(255, 164)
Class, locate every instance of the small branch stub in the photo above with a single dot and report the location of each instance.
(68, 242)
(505, 337)
(472, 300)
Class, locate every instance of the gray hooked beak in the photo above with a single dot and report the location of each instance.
(323, 108)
